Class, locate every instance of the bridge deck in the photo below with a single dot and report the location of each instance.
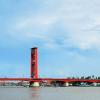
(50, 79)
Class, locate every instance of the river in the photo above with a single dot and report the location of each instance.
(50, 93)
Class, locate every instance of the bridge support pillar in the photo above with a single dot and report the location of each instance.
(66, 84)
(34, 84)
(94, 84)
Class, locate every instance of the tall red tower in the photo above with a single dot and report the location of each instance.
(34, 62)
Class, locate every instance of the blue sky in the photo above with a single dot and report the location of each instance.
(66, 32)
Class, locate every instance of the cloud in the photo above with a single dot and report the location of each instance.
(76, 23)
(70, 27)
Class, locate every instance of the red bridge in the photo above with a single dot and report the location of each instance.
(35, 81)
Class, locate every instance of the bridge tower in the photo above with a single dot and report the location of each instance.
(34, 66)
(34, 62)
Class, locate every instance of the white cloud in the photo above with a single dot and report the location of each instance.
(79, 19)
(85, 41)
(39, 21)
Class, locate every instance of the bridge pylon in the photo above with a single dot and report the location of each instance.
(34, 66)
(34, 62)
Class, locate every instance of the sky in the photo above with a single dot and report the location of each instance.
(66, 32)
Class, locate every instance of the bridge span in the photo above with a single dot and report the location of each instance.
(35, 81)
(51, 79)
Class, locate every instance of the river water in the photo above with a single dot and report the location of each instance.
(50, 93)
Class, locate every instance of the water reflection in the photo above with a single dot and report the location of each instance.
(35, 93)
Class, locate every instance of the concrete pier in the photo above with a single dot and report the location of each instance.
(34, 84)
(94, 84)
(66, 84)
